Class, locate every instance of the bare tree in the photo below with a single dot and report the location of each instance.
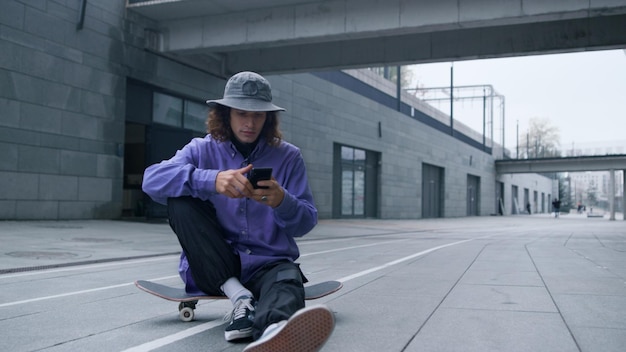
(592, 193)
(541, 141)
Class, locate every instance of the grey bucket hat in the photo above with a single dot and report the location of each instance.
(247, 91)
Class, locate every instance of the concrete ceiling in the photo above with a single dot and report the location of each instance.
(164, 10)
(278, 36)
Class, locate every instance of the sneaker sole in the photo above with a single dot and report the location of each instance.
(237, 334)
(306, 331)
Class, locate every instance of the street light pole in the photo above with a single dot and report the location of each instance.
(452, 99)
(517, 140)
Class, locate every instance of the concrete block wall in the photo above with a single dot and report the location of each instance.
(319, 115)
(62, 109)
(62, 104)
(533, 182)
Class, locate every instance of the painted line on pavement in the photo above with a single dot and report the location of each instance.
(156, 279)
(353, 247)
(164, 341)
(152, 345)
(78, 292)
(398, 261)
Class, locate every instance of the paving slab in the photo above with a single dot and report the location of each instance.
(472, 330)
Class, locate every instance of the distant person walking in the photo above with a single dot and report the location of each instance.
(528, 208)
(556, 204)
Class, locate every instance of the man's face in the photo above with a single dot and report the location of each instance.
(247, 125)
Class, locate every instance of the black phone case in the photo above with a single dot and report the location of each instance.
(259, 174)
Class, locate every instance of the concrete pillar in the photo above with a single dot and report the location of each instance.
(612, 194)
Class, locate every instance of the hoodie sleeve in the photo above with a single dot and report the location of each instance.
(180, 176)
(297, 213)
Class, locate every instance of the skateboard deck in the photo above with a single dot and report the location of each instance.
(188, 301)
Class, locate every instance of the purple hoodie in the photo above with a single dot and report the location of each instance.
(259, 233)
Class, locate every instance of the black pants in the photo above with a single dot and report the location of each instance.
(277, 287)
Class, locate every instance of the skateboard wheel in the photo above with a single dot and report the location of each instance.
(186, 314)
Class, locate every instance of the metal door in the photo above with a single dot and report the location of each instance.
(473, 194)
(432, 191)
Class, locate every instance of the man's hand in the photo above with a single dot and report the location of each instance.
(271, 196)
(234, 183)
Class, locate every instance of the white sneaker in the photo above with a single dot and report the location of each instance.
(306, 331)
(241, 320)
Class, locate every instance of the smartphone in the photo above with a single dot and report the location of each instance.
(259, 174)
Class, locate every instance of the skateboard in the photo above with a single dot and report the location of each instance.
(188, 301)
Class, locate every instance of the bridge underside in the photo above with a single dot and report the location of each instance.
(566, 164)
(304, 36)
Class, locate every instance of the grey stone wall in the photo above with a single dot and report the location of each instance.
(61, 95)
(319, 115)
(62, 105)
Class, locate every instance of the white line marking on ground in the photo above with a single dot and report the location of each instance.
(78, 292)
(303, 242)
(353, 247)
(158, 343)
(149, 346)
(398, 261)
(156, 279)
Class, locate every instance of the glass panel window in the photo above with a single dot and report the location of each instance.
(347, 153)
(167, 110)
(347, 193)
(195, 116)
(359, 154)
(359, 192)
(352, 181)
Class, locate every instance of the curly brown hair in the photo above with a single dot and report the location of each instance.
(218, 125)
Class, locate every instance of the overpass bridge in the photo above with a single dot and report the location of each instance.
(223, 37)
(570, 164)
(565, 164)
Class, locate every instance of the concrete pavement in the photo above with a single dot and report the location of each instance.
(522, 283)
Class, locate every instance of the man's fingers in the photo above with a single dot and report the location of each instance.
(245, 170)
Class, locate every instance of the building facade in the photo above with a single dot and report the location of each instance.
(594, 189)
(85, 107)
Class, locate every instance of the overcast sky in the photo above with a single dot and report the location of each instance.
(583, 94)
